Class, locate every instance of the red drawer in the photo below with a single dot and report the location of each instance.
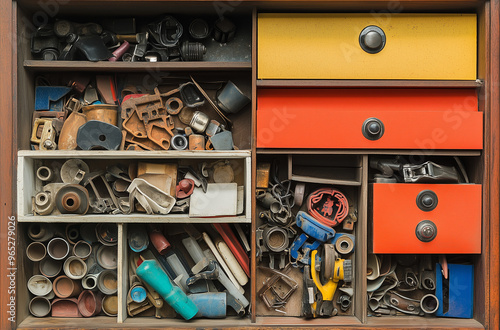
(339, 118)
(454, 210)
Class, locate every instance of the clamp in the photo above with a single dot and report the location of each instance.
(300, 250)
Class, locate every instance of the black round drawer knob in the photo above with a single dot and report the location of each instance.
(426, 231)
(373, 129)
(427, 200)
(372, 39)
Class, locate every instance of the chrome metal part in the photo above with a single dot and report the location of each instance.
(199, 122)
(430, 172)
(179, 142)
(429, 304)
(48, 138)
(426, 231)
(372, 39)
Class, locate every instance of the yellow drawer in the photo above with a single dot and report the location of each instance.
(327, 46)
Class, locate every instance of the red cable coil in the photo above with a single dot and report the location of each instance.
(325, 215)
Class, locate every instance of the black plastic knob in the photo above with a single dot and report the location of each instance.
(426, 231)
(427, 200)
(372, 39)
(373, 129)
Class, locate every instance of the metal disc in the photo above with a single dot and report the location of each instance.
(328, 261)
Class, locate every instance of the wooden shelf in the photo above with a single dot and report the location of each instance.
(402, 322)
(463, 153)
(271, 83)
(132, 323)
(131, 218)
(120, 154)
(416, 322)
(106, 66)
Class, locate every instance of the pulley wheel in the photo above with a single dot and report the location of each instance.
(72, 198)
(328, 257)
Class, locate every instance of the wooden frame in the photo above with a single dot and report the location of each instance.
(488, 295)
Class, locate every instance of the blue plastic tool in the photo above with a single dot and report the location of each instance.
(313, 228)
(301, 249)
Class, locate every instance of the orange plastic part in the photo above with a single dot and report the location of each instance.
(333, 118)
(457, 217)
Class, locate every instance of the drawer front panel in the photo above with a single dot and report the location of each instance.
(331, 118)
(456, 216)
(327, 46)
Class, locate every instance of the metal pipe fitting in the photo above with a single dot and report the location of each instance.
(107, 282)
(39, 306)
(50, 267)
(429, 303)
(89, 303)
(199, 122)
(40, 233)
(58, 248)
(75, 268)
(107, 234)
(65, 287)
(44, 173)
(72, 234)
(82, 249)
(107, 256)
(179, 142)
(110, 305)
(275, 238)
(89, 282)
(36, 251)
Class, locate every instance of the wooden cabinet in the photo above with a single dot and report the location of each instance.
(432, 86)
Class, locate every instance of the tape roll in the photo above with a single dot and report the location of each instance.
(344, 245)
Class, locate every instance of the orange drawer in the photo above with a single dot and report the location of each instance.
(343, 118)
(446, 217)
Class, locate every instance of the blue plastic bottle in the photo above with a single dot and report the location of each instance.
(150, 272)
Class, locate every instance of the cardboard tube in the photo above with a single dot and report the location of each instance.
(75, 268)
(39, 306)
(58, 248)
(50, 267)
(65, 287)
(36, 251)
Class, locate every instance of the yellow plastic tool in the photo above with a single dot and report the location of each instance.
(327, 290)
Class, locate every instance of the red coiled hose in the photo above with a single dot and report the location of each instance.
(324, 202)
